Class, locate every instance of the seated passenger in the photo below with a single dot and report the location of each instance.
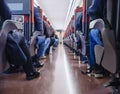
(28, 68)
(40, 40)
(96, 10)
(78, 35)
(31, 73)
(52, 40)
(56, 41)
(46, 28)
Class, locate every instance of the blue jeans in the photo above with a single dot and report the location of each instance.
(94, 39)
(52, 40)
(40, 44)
(55, 43)
(47, 42)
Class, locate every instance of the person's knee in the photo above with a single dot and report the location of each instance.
(40, 39)
(93, 33)
(48, 40)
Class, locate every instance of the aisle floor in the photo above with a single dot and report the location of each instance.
(60, 75)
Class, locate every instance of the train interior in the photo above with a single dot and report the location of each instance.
(75, 61)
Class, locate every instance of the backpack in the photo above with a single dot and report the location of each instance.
(14, 53)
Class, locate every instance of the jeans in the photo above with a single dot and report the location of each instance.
(52, 40)
(40, 44)
(55, 43)
(94, 39)
(47, 42)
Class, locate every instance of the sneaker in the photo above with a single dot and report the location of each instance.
(38, 65)
(11, 70)
(34, 58)
(84, 62)
(88, 71)
(43, 57)
(98, 74)
(53, 48)
(114, 82)
(32, 75)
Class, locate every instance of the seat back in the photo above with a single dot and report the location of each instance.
(98, 23)
(32, 43)
(110, 57)
(109, 61)
(99, 50)
(7, 26)
(83, 45)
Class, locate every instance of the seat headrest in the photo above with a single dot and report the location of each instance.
(96, 22)
(12, 24)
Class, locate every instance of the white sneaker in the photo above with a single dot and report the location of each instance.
(43, 57)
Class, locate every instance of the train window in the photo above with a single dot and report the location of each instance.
(16, 6)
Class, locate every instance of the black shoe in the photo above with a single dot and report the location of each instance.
(38, 65)
(11, 70)
(32, 75)
(34, 58)
(83, 60)
(114, 83)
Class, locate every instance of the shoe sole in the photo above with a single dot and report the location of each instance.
(32, 77)
(95, 75)
(98, 75)
(36, 76)
(42, 58)
(90, 74)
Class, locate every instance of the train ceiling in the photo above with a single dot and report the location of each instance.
(59, 12)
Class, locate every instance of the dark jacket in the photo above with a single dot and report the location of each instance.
(97, 9)
(78, 23)
(46, 28)
(5, 12)
(38, 20)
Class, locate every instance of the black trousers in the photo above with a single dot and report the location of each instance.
(28, 68)
(22, 44)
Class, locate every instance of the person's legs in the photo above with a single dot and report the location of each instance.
(47, 43)
(94, 40)
(28, 67)
(40, 46)
(12, 69)
(26, 51)
(94, 37)
(13, 66)
(55, 43)
(50, 45)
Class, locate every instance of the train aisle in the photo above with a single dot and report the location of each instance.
(60, 75)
